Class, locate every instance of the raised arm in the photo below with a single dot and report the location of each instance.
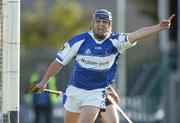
(148, 31)
(52, 70)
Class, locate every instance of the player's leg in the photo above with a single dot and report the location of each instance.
(70, 117)
(110, 115)
(93, 101)
(88, 114)
(72, 108)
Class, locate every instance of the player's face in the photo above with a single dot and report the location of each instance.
(101, 27)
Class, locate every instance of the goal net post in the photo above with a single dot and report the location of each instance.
(9, 60)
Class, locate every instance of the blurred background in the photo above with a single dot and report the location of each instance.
(148, 79)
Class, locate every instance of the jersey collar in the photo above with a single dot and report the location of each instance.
(97, 41)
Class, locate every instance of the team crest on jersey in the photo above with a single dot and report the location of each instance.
(63, 47)
(88, 51)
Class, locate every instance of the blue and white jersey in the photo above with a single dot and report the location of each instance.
(92, 59)
(112, 71)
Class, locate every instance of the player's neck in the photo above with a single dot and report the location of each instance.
(99, 37)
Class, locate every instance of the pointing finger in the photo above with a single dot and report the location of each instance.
(171, 17)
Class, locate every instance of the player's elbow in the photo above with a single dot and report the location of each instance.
(133, 37)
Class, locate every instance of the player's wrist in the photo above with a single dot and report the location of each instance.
(44, 82)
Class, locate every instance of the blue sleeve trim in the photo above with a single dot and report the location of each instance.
(58, 57)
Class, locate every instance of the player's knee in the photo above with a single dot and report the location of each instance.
(114, 120)
(88, 119)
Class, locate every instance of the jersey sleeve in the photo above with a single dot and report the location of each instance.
(64, 55)
(122, 43)
(70, 49)
(67, 52)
